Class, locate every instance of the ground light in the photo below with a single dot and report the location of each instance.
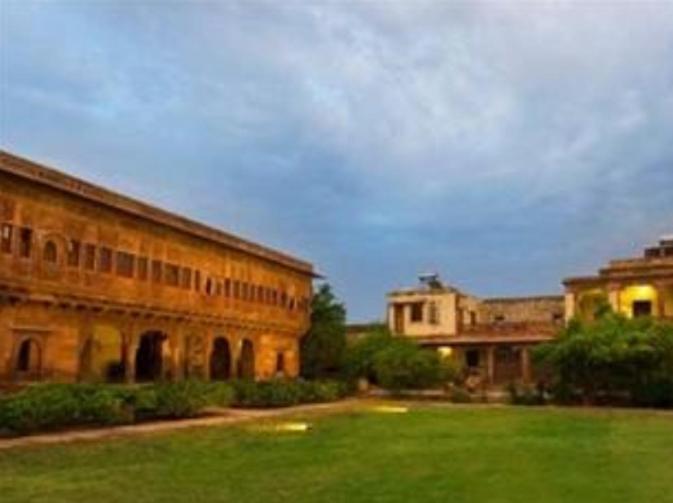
(390, 409)
(285, 427)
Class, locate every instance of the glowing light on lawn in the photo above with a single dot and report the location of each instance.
(299, 427)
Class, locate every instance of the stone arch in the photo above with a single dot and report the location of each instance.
(102, 355)
(246, 360)
(150, 357)
(220, 360)
(28, 360)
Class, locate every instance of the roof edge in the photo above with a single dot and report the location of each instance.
(56, 179)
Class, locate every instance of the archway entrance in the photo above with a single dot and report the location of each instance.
(28, 360)
(150, 356)
(220, 360)
(246, 362)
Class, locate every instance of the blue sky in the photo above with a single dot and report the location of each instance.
(505, 145)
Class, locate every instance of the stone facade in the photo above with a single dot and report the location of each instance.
(491, 338)
(641, 286)
(97, 286)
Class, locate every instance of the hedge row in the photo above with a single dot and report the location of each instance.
(60, 406)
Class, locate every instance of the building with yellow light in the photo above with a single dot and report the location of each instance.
(490, 338)
(641, 286)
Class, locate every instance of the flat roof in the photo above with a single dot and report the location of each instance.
(50, 177)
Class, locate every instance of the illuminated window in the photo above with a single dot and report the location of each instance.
(6, 238)
(125, 264)
(25, 242)
(50, 253)
(105, 260)
(74, 252)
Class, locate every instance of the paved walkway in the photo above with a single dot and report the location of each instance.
(223, 417)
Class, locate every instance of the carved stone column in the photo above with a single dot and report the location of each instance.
(490, 365)
(570, 305)
(614, 296)
(525, 365)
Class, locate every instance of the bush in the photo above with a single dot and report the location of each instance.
(359, 359)
(52, 406)
(284, 393)
(460, 395)
(403, 365)
(613, 360)
(525, 395)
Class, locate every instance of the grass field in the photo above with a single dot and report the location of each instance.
(431, 454)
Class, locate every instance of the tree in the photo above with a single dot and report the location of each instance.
(403, 365)
(613, 359)
(322, 349)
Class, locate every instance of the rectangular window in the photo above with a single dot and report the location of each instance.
(157, 271)
(6, 238)
(197, 281)
(237, 289)
(172, 275)
(74, 252)
(433, 313)
(125, 264)
(417, 312)
(105, 260)
(142, 268)
(244, 291)
(25, 242)
(89, 257)
(274, 297)
(260, 293)
(186, 278)
(227, 287)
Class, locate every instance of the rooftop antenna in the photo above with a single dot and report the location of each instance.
(431, 280)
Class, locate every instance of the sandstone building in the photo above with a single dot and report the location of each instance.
(98, 286)
(491, 338)
(641, 286)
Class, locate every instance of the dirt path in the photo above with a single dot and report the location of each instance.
(223, 417)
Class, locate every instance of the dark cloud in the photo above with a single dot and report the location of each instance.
(505, 145)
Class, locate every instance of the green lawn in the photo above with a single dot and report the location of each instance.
(442, 454)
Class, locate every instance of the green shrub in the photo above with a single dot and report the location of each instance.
(53, 406)
(525, 395)
(360, 356)
(403, 365)
(180, 399)
(612, 360)
(460, 395)
(284, 393)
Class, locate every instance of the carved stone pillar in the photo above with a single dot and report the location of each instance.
(570, 305)
(490, 365)
(525, 364)
(614, 296)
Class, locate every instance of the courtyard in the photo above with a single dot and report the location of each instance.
(431, 453)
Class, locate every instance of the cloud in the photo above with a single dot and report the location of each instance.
(506, 144)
